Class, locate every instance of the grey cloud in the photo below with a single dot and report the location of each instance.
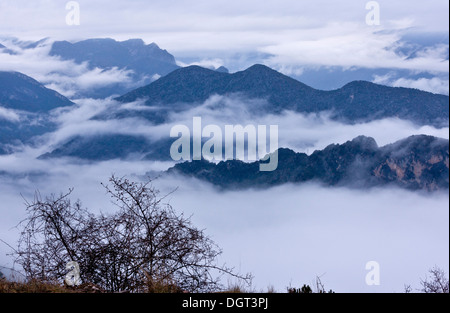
(66, 77)
(303, 133)
(284, 235)
(295, 32)
(347, 46)
(9, 115)
(300, 132)
(292, 234)
(434, 84)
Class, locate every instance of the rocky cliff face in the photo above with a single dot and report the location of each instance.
(417, 162)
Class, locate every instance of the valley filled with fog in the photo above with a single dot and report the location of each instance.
(78, 107)
(285, 235)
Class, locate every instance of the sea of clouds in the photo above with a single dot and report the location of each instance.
(287, 235)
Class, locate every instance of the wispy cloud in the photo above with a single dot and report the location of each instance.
(331, 232)
(64, 76)
(207, 63)
(434, 84)
(9, 115)
(350, 45)
(300, 132)
(320, 231)
(284, 236)
(296, 33)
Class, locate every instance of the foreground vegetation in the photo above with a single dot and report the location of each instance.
(435, 282)
(144, 247)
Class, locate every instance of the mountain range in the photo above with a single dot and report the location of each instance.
(145, 62)
(417, 162)
(357, 101)
(28, 103)
(21, 92)
(106, 53)
(186, 88)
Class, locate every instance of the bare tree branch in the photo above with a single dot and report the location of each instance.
(143, 245)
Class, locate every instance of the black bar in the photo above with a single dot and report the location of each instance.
(211, 302)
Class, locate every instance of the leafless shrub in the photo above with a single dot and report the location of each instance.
(142, 247)
(436, 282)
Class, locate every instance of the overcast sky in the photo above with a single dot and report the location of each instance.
(191, 22)
(321, 32)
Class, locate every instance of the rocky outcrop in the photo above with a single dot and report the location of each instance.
(417, 163)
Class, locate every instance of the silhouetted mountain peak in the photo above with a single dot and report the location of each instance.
(421, 144)
(285, 152)
(364, 142)
(260, 68)
(361, 145)
(260, 73)
(222, 69)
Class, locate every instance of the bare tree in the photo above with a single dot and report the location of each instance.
(52, 233)
(143, 245)
(437, 282)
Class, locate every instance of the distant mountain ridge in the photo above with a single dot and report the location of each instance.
(185, 88)
(30, 103)
(145, 61)
(107, 53)
(196, 84)
(417, 162)
(357, 101)
(21, 92)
